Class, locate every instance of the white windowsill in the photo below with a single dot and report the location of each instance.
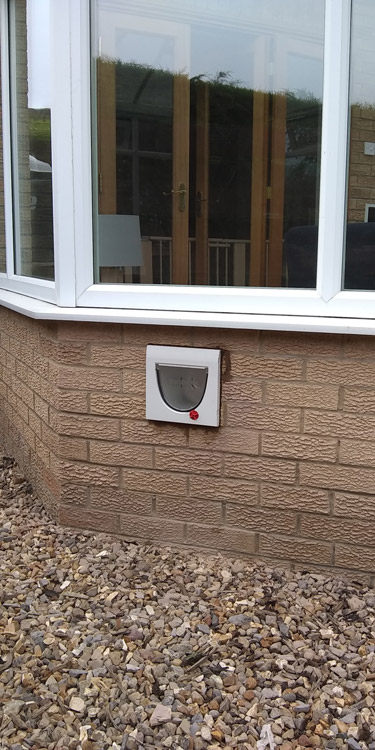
(40, 310)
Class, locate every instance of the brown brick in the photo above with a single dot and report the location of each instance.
(89, 473)
(357, 452)
(88, 519)
(22, 410)
(359, 399)
(40, 365)
(241, 390)
(300, 344)
(74, 448)
(154, 433)
(122, 501)
(340, 424)
(10, 363)
(154, 481)
(343, 373)
(221, 538)
(22, 371)
(188, 461)
(87, 378)
(299, 446)
(232, 340)
(41, 407)
(298, 498)
(295, 549)
(141, 335)
(5, 341)
(32, 379)
(74, 494)
(149, 528)
(348, 504)
(118, 356)
(263, 418)
(133, 407)
(50, 438)
(187, 509)
(65, 353)
(259, 519)
(212, 488)
(338, 477)
(120, 454)
(73, 331)
(333, 529)
(23, 392)
(266, 367)
(41, 450)
(134, 382)
(355, 557)
(231, 439)
(260, 469)
(359, 347)
(303, 394)
(35, 423)
(72, 401)
(48, 392)
(89, 427)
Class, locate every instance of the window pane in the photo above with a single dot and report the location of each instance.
(31, 126)
(2, 215)
(207, 141)
(359, 268)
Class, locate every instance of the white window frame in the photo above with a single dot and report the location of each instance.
(74, 288)
(11, 281)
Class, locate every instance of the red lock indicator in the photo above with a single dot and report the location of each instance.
(194, 414)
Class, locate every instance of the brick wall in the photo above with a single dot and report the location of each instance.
(288, 477)
(361, 188)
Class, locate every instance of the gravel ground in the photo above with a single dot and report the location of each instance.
(108, 644)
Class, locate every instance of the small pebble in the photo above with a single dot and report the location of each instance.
(118, 645)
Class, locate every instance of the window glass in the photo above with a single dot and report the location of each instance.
(31, 127)
(359, 267)
(2, 213)
(207, 141)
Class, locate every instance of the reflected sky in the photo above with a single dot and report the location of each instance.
(38, 53)
(220, 36)
(362, 88)
(273, 45)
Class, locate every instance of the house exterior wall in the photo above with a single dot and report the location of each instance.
(288, 477)
(361, 189)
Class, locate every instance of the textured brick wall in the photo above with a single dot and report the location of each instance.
(27, 392)
(289, 476)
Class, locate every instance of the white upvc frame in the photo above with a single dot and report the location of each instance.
(73, 199)
(32, 287)
(327, 299)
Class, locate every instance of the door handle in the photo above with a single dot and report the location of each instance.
(181, 192)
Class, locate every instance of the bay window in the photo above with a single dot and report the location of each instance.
(2, 212)
(198, 163)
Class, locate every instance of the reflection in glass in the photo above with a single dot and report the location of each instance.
(2, 212)
(31, 126)
(207, 123)
(359, 268)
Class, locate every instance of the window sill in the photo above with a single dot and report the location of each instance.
(40, 310)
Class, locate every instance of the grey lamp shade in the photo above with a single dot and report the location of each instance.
(181, 387)
(119, 240)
